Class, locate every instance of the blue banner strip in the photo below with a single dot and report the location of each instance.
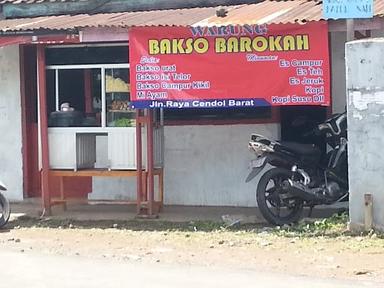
(214, 103)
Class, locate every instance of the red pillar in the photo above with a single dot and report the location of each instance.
(88, 91)
(45, 193)
(139, 161)
(150, 162)
(26, 179)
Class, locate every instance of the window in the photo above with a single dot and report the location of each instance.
(83, 91)
(87, 55)
(117, 96)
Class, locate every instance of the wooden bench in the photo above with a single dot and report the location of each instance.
(109, 173)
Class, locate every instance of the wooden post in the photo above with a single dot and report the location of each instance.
(42, 90)
(150, 162)
(161, 188)
(368, 212)
(139, 162)
(350, 30)
(62, 193)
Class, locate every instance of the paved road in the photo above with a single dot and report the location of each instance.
(27, 270)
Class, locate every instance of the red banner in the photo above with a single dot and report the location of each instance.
(230, 66)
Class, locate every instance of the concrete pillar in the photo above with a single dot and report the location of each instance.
(365, 98)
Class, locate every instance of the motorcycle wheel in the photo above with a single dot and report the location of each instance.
(5, 210)
(276, 206)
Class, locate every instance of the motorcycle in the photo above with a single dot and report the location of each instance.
(301, 176)
(5, 210)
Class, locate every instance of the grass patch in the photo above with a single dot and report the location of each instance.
(332, 227)
(134, 225)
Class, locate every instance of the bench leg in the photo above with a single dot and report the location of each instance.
(62, 193)
(144, 195)
(161, 188)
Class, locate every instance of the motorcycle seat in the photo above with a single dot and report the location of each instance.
(302, 149)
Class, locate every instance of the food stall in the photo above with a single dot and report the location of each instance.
(88, 127)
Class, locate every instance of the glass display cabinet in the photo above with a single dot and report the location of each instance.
(117, 95)
(104, 133)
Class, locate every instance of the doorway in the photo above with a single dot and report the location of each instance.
(296, 121)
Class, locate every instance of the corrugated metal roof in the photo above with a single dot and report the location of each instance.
(269, 12)
(181, 17)
(379, 8)
(34, 1)
(289, 11)
(292, 11)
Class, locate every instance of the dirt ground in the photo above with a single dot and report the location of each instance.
(338, 256)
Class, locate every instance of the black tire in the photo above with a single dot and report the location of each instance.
(5, 210)
(272, 196)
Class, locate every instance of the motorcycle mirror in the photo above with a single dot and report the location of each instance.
(2, 186)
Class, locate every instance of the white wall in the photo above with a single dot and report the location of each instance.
(207, 165)
(10, 123)
(108, 188)
(204, 165)
(113, 188)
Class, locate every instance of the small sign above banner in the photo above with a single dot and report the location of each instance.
(347, 9)
(229, 66)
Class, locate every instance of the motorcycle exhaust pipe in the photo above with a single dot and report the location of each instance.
(300, 191)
